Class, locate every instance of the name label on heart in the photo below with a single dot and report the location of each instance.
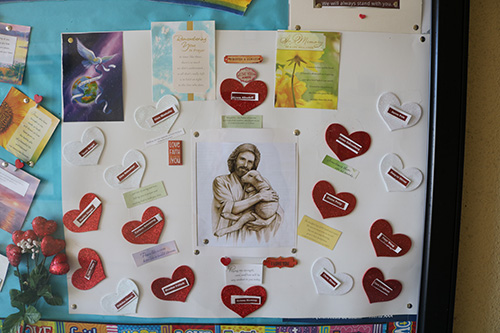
(87, 212)
(88, 149)
(128, 171)
(398, 114)
(399, 177)
(126, 300)
(381, 287)
(244, 96)
(334, 201)
(90, 269)
(330, 279)
(162, 116)
(142, 228)
(243, 299)
(389, 243)
(175, 286)
(349, 143)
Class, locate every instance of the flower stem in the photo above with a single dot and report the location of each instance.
(293, 90)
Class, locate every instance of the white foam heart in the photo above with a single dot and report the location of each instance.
(124, 300)
(395, 115)
(162, 117)
(127, 175)
(396, 178)
(326, 281)
(88, 150)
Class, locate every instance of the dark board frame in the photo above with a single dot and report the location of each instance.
(450, 25)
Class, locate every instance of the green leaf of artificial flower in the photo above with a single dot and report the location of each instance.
(12, 323)
(53, 300)
(32, 315)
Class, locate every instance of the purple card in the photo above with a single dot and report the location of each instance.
(92, 76)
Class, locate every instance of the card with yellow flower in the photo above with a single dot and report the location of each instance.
(307, 69)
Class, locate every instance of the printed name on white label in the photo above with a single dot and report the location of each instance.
(329, 279)
(398, 114)
(88, 149)
(162, 116)
(143, 227)
(129, 171)
(175, 286)
(399, 177)
(244, 96)
(349, 143)
(87, 212)
(389, 243)
(90, 269)
(129, 298)
(245, 299)
(381, 287)
(334, 201)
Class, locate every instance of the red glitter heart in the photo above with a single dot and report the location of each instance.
(240, 304)
(150, 236)
(19, 235)
(19, 164)
(362, 16)
(51, 245)
(85, 257)
(59, 264)
(379, 290)
(229, 86)
(13, 254)
(176, 288)
(225, 261)
(387, 244)
(92, 223)
(43, 227)
(331, 204)
(346, 145)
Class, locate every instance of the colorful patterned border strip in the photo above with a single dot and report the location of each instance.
(77, 327)
(234, 6)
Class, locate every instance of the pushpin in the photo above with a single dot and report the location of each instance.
(38, 99)
(19, 164)
(362, 16)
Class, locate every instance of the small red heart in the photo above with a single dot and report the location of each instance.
(85, 257)
(92, 223)
(362, 16)
(38, 99)
(387, 244)
(43, 227)
(241, 305)
(51, 245)
(150, 236)
(346, 145)
(14, 254)
(19, 164)
(59, 264)
(225, 261)
(379, 290)
(183, 276)
(331, 204)
(19, 235)
(229, 86)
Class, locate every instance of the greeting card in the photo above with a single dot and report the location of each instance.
(14, 42)
(183, 60)
(25, 126)
(92, 76)
(307, 69)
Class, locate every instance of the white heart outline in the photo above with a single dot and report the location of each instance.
(134, 180)
(71, 149)
(323, 288)
(389, 99)
(142, 113)
(392, 160)
(124, 287)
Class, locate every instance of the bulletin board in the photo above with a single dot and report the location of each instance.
(380, 59)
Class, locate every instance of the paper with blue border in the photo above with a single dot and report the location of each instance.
(183, 60)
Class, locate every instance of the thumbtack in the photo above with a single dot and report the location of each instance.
(38, 99)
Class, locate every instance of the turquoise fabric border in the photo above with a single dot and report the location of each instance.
(48, 20)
